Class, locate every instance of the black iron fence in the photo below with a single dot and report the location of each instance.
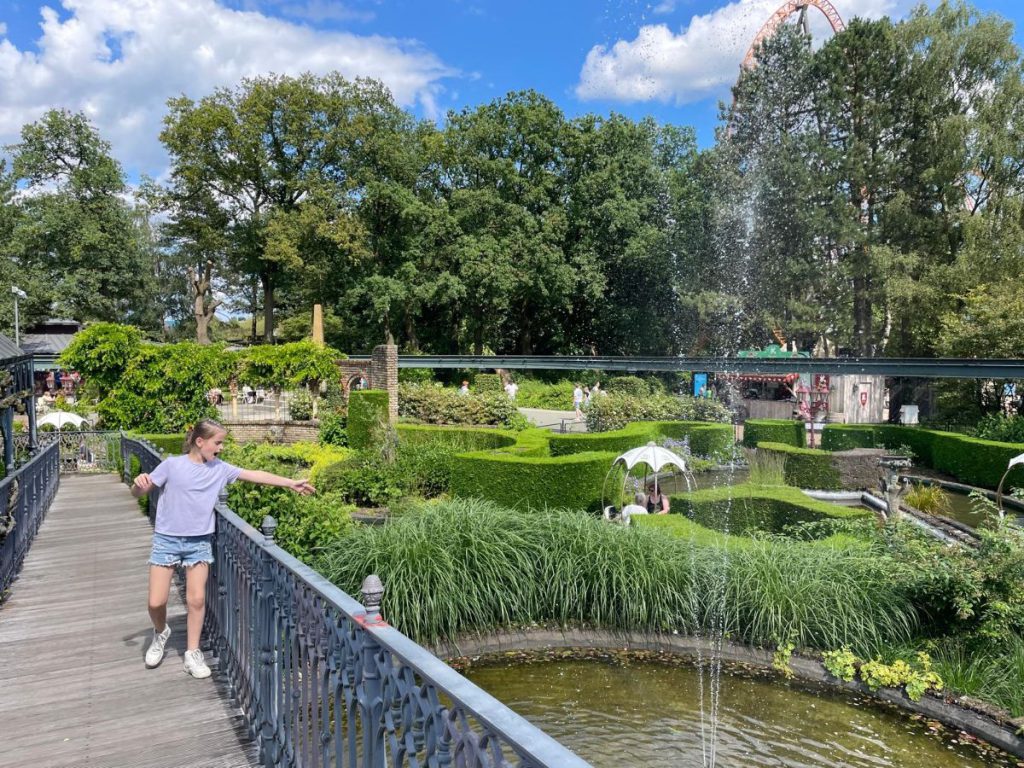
(25, 497)
(323, 679)
(80, 451)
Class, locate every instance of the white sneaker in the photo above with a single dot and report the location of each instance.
(195, 665)
(155, 653)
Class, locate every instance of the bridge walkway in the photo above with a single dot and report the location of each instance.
(73, 687)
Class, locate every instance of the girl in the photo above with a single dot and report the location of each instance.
(183, 531)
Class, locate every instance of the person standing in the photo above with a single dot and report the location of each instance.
(182, 534)
(511, 388)
(464, 389)
(577, 401)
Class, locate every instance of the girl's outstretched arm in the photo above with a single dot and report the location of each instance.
(268, 478)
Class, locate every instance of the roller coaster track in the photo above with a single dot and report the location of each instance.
(784, 12)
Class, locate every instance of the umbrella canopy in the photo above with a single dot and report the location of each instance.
(1016, 460)
(61, 419)
(653, 456)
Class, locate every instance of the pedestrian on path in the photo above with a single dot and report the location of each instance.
(577, 401)
(183, 532)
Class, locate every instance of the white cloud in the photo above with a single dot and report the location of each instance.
(118, 61)
(703, 58)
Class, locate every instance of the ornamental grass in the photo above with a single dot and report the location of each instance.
(467, 565)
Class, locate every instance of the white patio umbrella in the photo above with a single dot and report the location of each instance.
(654, 456)
(999, 491)
(61, 419)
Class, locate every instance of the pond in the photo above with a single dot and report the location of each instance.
(632, 712)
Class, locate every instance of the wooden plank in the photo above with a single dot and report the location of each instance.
(73, 687)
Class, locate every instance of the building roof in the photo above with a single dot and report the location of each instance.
(8, 348)
(45, 343)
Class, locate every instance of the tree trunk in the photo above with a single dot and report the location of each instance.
(254, 308)
(268, 308)
(202, 312)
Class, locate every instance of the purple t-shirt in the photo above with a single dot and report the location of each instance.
(188, 493)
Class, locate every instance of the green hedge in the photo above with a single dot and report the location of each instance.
(526, 482)
(970, 460)
(468, 438)
(706, 439)
(714, 440)
(170, 444)
(488, 382)
(806, 467)
(744, 509)
(784, 431)
(366, 409)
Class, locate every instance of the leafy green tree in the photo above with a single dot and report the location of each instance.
(277, 167)
(102, 353)
(73, 230)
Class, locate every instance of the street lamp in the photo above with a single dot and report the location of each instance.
(18, 294)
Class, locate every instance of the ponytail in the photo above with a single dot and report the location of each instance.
(204, 428)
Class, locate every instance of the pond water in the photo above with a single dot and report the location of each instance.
(617, 714)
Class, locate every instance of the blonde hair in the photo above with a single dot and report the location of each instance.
(204, 428)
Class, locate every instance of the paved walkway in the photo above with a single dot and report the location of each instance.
(73, 687)
(541, 417)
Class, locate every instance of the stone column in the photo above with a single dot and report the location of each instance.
(318, 325)
(384, 375)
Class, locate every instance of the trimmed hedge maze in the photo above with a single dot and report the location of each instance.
(970, 460)
(544, 469)
(786, 431)
(806, 467)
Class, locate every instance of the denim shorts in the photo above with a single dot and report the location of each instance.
(181, 550)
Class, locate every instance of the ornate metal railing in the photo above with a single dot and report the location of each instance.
(80, 451)
(325, 681)
(25, 496)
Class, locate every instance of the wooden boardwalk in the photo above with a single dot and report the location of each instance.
(73, 687)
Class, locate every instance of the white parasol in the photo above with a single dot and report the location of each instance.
(61, 419)
(652, 455)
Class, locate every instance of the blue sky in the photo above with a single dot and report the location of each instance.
(119, 60)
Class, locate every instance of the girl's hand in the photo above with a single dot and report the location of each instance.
(303, 487)
(143, 483)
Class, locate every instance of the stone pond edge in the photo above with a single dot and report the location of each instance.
(968, 715)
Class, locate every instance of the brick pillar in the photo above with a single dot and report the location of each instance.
(384, 375)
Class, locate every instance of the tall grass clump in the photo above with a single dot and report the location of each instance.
(467, 565)
(928, 498)
(766, 467)
(993, 672)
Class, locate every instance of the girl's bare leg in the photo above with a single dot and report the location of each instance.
(159, 590)
(195, 598)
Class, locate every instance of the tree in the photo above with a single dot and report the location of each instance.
(73, 229)
(203, 310)
(275, 166)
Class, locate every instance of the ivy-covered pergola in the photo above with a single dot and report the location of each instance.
(15, 390)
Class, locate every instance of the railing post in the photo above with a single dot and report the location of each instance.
(373, 731)
(266, 623)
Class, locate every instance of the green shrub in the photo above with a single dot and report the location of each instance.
(367, 408)
(488, 382)
(538, 394)
(438, 405)
(806, 467)
(1002, 428)
(333, 428)
(714, 441)
(572, 481)
(611, 412)
(102, 353)
(633, 386)
(300, 406)
(774, 431)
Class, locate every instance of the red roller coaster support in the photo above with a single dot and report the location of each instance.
(783, 13)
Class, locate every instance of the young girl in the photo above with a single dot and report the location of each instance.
(183, 532)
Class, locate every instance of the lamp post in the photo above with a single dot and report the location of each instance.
(18, 294)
